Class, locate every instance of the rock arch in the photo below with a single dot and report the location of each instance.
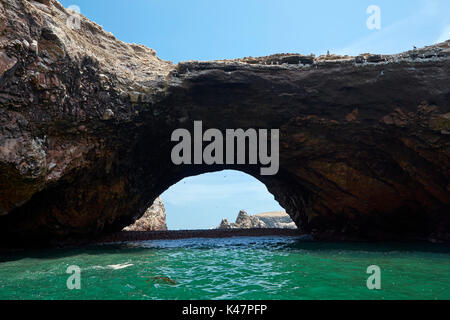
(86, 124)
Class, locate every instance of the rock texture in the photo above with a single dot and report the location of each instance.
(154, 219)
(86, 122)
(243, 221)
(279, 220)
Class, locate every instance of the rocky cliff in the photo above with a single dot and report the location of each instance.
(154, 218)
(86, 122)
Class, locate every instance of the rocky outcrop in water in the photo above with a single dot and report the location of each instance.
(243, 221)
(225, 224)
(277, 220)
(154, 219)
(86, 122)
(274, 220)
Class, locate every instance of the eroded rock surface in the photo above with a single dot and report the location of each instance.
(154, 218)
(86, 122)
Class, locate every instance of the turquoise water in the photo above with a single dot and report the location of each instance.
(234, 268)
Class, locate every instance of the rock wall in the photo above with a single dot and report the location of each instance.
(154, 219)
(86, 122)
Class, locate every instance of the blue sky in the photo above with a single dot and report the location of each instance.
(217, 29)
(182, 30)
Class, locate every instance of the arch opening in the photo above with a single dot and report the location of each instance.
(226, 199)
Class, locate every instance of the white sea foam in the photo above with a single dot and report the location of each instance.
(120, 266)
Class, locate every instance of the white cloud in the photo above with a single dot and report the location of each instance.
(445, 35)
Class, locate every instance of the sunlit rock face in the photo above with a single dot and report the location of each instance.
(154, 219)
(279, 220)
(86, 122)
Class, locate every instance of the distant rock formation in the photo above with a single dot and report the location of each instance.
(276, 220)
(154, 219)
(280, 220)
(225, 224)
(243, 221)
